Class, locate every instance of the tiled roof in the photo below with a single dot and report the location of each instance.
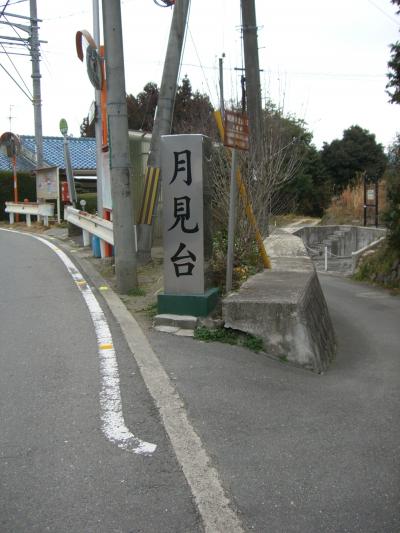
(23, 164)
(82, 150)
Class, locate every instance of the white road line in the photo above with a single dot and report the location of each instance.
(113, 423)
(203, 478)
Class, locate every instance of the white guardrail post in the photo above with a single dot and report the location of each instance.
(90, 225)
(326, 258)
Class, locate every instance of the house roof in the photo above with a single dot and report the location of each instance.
(82, 150)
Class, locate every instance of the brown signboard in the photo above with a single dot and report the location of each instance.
(236, 130)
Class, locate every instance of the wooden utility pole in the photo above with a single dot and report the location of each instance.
(253, 88)
(123, 220)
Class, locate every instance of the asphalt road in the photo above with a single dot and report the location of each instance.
(58, 471)
(296, 452)
(299, 452)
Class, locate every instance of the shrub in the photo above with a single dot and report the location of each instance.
(246, 262)
(26, 189)
(381, 267)
(392, 214)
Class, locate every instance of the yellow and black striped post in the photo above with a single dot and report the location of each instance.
(149, 199)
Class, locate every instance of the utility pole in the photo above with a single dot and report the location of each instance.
(37, 102)
(98, 130)
(253, 88)
(164, 114)
(221, 86)
(123, 220)
(33, 44)
(232, 190)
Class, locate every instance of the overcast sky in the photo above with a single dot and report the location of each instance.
(323, 61)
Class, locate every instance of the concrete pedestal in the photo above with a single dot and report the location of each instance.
(188, 304)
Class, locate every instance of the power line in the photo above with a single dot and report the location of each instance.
(338, 75)
(16, 83)
(384, 12)
(4, 6)
(64, 16)
(15, 68)
(200, 63)
(23, 39)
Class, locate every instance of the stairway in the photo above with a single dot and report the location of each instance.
(338, 261)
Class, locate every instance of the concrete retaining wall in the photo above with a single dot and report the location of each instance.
(285, 306)
(359, 254)
(344, 239)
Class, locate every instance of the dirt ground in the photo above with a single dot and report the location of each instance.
(141, 302)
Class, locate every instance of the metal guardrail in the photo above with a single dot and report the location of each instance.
(40, 210)
(327, 254)
(90, 225)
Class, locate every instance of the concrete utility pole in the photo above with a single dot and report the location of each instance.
(253, 88)
(123, 220)
(165, 108)
(98, 132)
(37, 101)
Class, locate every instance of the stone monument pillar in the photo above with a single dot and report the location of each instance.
(187, 241)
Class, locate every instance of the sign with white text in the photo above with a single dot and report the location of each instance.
(236, 130)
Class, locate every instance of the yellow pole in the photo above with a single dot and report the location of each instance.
(246, 202)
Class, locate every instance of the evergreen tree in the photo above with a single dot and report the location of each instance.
(356, 152)
(193, 112)
(393, 85)
(392, 214)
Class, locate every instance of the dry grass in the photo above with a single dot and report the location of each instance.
(348, 208)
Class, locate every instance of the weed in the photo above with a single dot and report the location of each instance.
(137, 291)
(151, 310)
(211, 335)
(229, 336)
(255, 344)
(247, 260)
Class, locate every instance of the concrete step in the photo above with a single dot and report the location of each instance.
(179, 324)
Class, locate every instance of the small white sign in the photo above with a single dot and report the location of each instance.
(106, 180)
(370, 194)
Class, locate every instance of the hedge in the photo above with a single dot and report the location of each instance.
(26, 189)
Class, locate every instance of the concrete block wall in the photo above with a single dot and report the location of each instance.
(342, 240)
(285, 306)
(366, 236)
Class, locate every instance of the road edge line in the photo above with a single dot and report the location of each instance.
(203, 479)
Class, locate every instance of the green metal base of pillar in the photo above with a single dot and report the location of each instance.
(188, 304)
